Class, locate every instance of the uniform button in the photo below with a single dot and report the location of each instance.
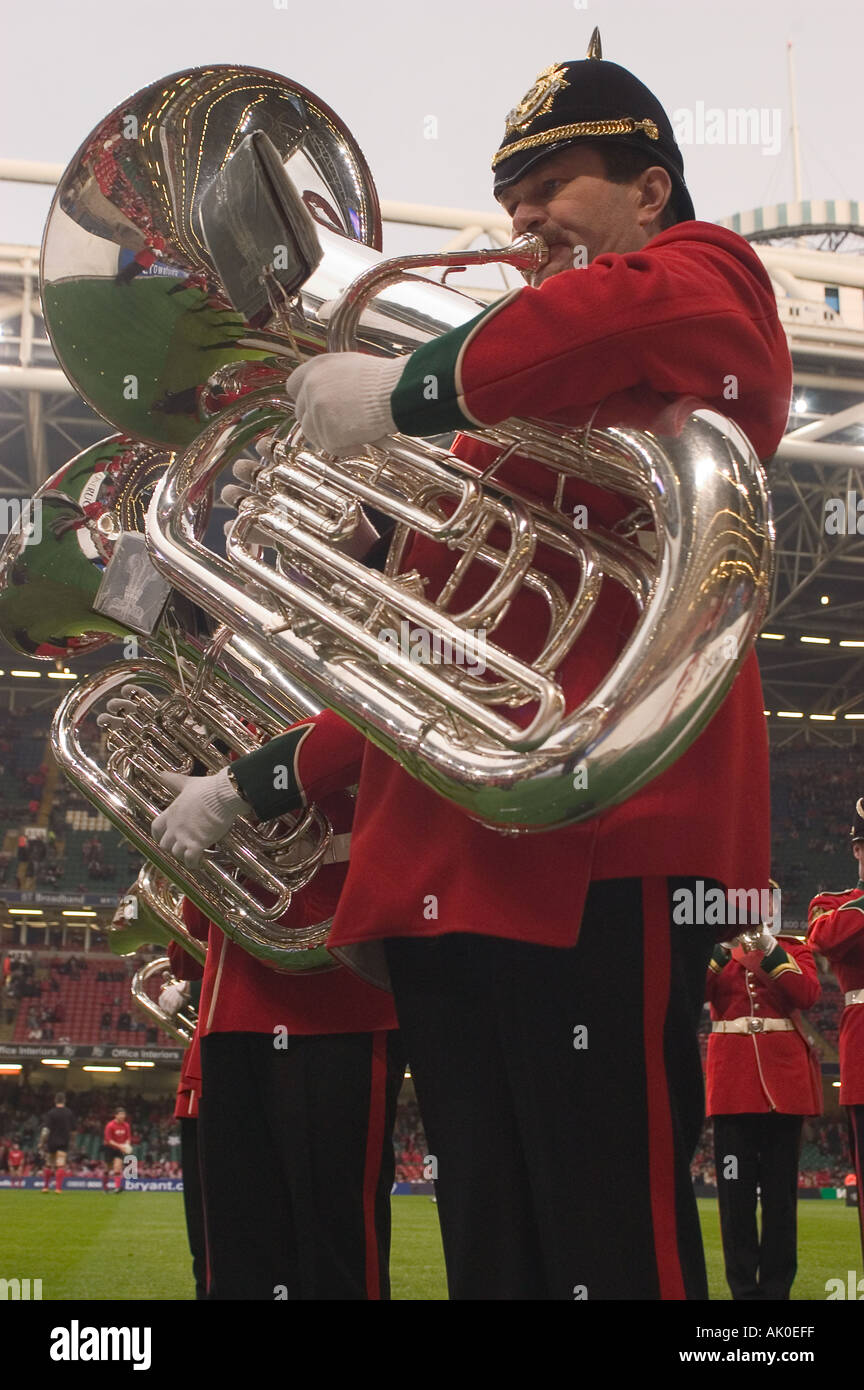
(755, 1005)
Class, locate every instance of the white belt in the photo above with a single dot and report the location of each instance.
(854, 996)
(754, 1025)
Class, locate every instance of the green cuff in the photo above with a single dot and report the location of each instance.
(268, 777)
(776, 961)
(425, 399)
(720, 958)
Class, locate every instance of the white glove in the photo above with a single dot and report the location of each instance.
(342, 399)
(245, 471)
(200, 815)
(171, 999)
(759, 939)
(120, 708)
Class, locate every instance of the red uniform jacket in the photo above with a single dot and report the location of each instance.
(185, 967)
(837, 932)
(189, 1085)
(623, 338)
(751, 1073)
(242, 995)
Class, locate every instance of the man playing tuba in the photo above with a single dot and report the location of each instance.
(547, 998)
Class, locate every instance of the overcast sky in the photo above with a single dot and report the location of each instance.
(387, 65)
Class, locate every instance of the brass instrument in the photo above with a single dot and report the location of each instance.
(482, 726)
(181, 1025)
(151, 913)
(200, 698)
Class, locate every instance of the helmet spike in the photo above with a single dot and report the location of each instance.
(595, 47)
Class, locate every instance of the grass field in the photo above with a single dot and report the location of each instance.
(89, 1246)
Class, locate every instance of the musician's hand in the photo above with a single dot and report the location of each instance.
(171, 999)
(120, 708)
(342, 399)
(245, 471)
(759, 939)
(750, 948)
(201, 814)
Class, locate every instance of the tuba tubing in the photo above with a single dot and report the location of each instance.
(131, 803)
(701, 608)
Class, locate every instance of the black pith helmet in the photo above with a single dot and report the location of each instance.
(589, 100)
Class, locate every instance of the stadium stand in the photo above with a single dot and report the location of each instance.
(81, 1001)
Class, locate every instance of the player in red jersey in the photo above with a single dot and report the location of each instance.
(16, 1164)
(530, 938)
(837, 932)
(116, 1145)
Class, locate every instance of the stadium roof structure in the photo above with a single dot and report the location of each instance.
(812, 648)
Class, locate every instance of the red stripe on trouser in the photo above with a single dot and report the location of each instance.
(856, 1113)
(374, 1152)
(661, 1145)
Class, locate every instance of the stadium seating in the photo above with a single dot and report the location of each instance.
(83, 1001)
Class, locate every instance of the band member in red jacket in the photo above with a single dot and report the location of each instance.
(507, 954)
(837, 932)
(304, 1072)
(186, 1109)
(762, 1081)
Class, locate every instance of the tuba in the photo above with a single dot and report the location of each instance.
(200, 697)
(181, 1025)
(483, 725)
(151, 913)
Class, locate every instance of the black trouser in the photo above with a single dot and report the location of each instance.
(855, 1115)
(758, 1151)
(193, 1203)
(297, 1163)
(562, 1099)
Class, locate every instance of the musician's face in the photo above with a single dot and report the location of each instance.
(858, 851)
(569, 202)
